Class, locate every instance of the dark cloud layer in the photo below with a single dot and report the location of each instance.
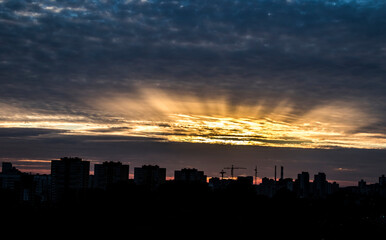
(313, 49)
(26, 132)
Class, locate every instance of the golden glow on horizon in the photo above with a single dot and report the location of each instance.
(34, 161)
(182, 118)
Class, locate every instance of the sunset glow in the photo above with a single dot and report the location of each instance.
(177, 118)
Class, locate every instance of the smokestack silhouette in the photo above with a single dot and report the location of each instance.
(281, 173)
(275, 173)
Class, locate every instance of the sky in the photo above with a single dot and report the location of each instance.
(196, 83)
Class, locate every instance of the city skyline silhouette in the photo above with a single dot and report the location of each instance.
(71, 173)
(189, 202)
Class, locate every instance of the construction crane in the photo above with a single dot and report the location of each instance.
(222, 174)
(232, 168)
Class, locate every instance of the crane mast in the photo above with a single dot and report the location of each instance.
(232, 168)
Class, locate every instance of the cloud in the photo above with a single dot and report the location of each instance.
(26, 132)
(65, 57)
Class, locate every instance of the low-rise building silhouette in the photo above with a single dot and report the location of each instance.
(382, 180)
(362, 187)
(242, 182)
(10, 177)
(34, 188)
(110, 173)
(42, 185)
(375, 189)
(246, 180)
(321, 187)
(189, 175)
(267, 187)
(149, 175)
(216, 183)
(302, 187)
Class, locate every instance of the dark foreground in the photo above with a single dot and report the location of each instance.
(195, 211)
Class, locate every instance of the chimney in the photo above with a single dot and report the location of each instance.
(281, 173)
(275, 173)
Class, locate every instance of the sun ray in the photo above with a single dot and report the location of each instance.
(182, 118)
